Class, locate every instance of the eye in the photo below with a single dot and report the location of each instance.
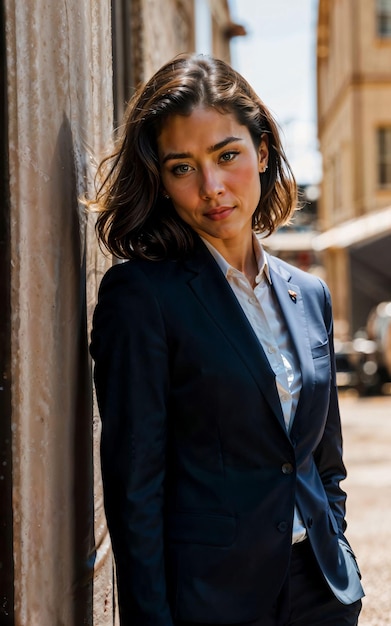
(226, 157)
(181, 169)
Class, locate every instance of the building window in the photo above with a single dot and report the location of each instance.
(383, 9)
(384, 156)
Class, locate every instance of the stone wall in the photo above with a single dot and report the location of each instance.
(58, 59)
(56, 565)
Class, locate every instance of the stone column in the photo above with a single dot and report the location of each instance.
(58, 57)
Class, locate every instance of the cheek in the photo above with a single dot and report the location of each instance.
(183, 203)
(249, 181)
(185, 214)
(183, 195)
(249, 167)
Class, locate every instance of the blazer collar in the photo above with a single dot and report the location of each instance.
(290, 299)
(212, 289)
(262, 259)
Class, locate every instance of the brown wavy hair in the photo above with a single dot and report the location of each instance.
(135, 219)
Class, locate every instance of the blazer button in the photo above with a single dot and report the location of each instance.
(283, 527)
(287, 468)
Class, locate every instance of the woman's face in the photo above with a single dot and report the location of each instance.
(210, 169)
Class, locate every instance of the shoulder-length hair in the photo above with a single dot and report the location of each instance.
(135, 219)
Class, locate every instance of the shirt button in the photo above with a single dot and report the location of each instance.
(287, 468)
(271, 350)
(285, 397)
(253, 300)
(283, 527)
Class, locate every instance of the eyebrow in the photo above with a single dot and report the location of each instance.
(186, 155)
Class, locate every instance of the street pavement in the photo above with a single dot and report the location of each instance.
(366, 424)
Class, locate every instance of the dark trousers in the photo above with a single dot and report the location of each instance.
(305, 599)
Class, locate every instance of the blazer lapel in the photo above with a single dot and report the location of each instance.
(213, 291)
(292, 307)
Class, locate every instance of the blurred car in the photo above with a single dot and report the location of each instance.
(364, 363)
(369, 379)
(356, 365)
(346, 371)
(379, 331)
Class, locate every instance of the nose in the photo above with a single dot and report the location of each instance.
(212, 184)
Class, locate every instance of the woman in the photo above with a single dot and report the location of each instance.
(214, 369)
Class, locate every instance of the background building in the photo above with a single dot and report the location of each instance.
(294, 243)
(65, 75)
(354, 125)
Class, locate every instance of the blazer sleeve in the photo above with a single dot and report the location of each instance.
(131, 378)
(328, 455)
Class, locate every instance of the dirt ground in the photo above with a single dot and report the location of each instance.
(367, 451)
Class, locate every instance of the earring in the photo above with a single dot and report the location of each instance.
(265, 168)
(166, 196)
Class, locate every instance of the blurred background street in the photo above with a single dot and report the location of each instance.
(366, 426)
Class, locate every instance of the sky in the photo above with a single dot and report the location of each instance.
(278, 58)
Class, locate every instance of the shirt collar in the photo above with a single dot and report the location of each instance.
(261, 258)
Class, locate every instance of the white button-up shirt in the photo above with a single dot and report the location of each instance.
(263, 312)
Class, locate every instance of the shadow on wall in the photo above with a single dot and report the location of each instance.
(71, 303)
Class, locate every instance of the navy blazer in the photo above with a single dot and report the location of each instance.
(200, 475)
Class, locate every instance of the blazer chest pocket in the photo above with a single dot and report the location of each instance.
(202, 528)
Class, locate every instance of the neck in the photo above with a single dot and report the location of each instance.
(241, 256)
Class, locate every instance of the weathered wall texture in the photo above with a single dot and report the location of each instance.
(161, 30)
(60, 109)
(60, 112)
(157, 32)
(166, 33)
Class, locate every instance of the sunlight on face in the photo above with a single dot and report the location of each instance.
(210, 169)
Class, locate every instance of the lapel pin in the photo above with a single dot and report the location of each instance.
(292, 295)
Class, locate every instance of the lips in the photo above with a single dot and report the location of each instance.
(219, 213)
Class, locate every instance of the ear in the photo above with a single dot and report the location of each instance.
(263, 153)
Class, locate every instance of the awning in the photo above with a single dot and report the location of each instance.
(289, 241)
(359, 230)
